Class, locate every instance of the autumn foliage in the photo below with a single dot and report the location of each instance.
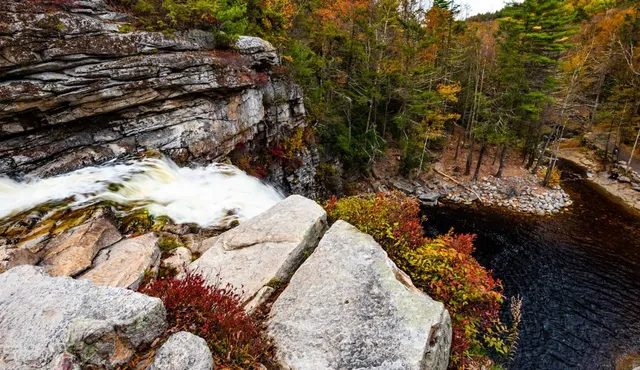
(214, 313)
(443, 267)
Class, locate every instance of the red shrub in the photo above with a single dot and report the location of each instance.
(260, 79)
(259, 172)
(278, 152)
(213, 313)
(443, 267)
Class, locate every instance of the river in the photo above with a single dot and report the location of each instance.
(578, 273)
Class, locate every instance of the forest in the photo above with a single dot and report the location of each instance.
(407, 75)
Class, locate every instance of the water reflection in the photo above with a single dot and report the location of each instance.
(578, 274)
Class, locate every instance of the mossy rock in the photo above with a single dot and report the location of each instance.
(169, 242)
(137, 222)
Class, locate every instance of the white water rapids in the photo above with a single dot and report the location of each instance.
(201, 195)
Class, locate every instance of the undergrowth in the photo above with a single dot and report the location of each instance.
(214, 313)
(442, 267)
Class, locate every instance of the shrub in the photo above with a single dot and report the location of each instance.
(169, 242)
(226, 18)
(294, 143)
(443, 267)
(213, 313)
(554, 180)
(391, 218)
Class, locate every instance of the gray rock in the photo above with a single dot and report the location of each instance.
(429, 198)
(43, 317)
(624, 179)
(183, 351)
(260, 51)
(124, 264)
(261, 297)
(403, 186)
(267, 247)
(180, 258)
(349, 307)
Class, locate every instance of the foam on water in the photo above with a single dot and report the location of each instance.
(202, 195)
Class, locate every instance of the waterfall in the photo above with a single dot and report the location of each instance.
(202, 195)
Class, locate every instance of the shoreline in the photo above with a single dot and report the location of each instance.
(620, 191)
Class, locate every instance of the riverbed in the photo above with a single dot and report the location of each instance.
(578, 274)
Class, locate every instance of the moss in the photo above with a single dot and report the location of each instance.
(126, 28)
(274, 283)
(114, 187)
(167, 243)
(195, 256)
(71, 218)
(166, 272)
(137, 222)
(160, 222)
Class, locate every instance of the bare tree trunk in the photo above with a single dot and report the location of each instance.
(455, 157)
(479, 81)
(544, 149)
(480, 156)
(424, 149)
(467, 169)
(554, 159)
(635, 144)
(503, 155)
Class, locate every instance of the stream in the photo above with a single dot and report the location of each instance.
(577, 272)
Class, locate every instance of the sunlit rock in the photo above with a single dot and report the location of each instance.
(349, 307)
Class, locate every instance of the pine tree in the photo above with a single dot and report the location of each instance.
(533, 35)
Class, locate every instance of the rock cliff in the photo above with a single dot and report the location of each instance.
(76, 90)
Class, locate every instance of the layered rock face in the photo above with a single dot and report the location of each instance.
(75, 91)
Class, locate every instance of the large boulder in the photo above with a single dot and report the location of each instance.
(267, 247)
(349, 307)
(125, 263)
(46, 321)
(183, 351)
(73, 251)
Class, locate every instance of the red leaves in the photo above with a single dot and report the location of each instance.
(442, 267)
(260, 79)
(278, 152)
(212, 312)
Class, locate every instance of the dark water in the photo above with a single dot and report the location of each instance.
(578, 274)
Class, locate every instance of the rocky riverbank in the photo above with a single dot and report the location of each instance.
(514, 193)
(619, 182)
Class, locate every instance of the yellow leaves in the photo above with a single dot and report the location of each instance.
(294, 143)
(449, 92)
(537, 28)
(288, 58)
